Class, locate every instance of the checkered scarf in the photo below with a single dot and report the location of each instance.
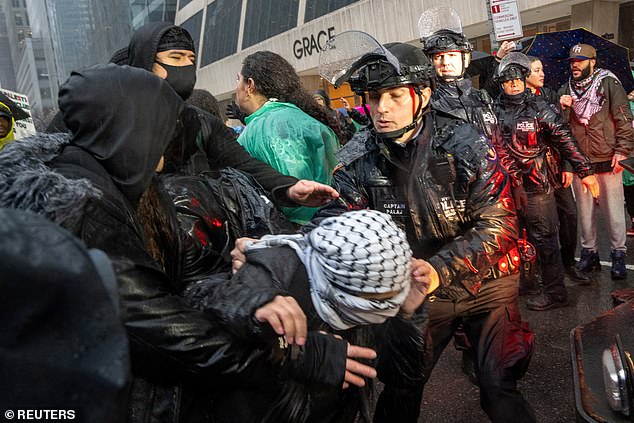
(358, 266)
(586, 101)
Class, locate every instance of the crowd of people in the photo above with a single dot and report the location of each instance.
(272, 276)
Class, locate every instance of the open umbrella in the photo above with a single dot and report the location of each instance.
(17, 112)
(553, 49)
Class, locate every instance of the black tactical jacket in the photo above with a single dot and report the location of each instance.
(448, 191)
(459, 100)
(528, 126)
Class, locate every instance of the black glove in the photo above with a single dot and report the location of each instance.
(233, 112)
(521, 200)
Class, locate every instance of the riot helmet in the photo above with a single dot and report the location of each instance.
(440, 31)
(513, 66)
(357, 58)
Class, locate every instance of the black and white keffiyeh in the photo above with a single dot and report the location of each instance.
(586, 101)
(358, 265)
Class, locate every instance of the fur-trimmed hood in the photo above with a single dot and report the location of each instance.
(28, 183)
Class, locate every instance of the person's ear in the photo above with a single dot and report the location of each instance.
(425, 95)
(250, 86)
(593, 62)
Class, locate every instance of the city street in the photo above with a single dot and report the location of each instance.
(548, 385)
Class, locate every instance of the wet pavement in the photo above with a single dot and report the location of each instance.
(548, 385)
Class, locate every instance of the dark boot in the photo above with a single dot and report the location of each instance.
(546, 301)
(529, 287)
(589, 261)
(618, 265)
(577, 276)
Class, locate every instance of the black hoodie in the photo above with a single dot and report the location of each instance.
(217, 141)
(141, 52)
(115, 134)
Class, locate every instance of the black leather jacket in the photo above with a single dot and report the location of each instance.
(459, 100)
(177, 351)
(278, 271)
(528, 126)
(446, 188)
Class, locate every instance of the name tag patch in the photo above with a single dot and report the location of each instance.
(393, 208)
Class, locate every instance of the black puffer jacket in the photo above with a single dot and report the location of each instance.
(445, 187)
(528, 126)
(459, 100)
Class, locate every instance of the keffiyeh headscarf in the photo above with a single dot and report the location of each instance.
(586, 101)
(358, 266)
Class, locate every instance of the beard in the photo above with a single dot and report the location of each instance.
(584, 74)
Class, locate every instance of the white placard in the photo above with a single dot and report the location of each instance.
(24, 127)
(507, 23)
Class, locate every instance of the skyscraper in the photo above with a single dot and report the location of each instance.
(7, 72)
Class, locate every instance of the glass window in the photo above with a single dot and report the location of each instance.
(317, 8)
(222, 25)
(183, 3)
(192, 25)
(266, 18)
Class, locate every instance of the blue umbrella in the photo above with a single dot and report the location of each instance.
(553, 49)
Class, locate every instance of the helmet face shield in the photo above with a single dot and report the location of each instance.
(440, 29)
(357, 58)
(513, 66)
(347, 53)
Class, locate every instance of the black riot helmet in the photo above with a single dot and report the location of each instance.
(440, 31)
(356, 57)
(513, 66)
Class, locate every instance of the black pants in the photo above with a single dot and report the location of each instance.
(503, 348)
(540, 218)
(567, 213)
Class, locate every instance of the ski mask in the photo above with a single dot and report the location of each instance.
(181, 78)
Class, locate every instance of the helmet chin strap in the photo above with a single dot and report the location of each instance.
(395, 135)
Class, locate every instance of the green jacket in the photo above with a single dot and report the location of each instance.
(294, 144)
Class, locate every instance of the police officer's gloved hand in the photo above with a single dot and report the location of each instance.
(233, 112)
(521, 200)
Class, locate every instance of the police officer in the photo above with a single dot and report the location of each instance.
(450, 51)
(528, 127)
(441, 181)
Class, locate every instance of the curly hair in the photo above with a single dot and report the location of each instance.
(274, 77)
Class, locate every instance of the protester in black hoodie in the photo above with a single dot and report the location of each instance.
(168, 51)
(90, 184)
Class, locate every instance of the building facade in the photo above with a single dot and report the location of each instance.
(145, 11)
(226, 31)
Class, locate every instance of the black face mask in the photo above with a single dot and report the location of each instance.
(181, 78)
